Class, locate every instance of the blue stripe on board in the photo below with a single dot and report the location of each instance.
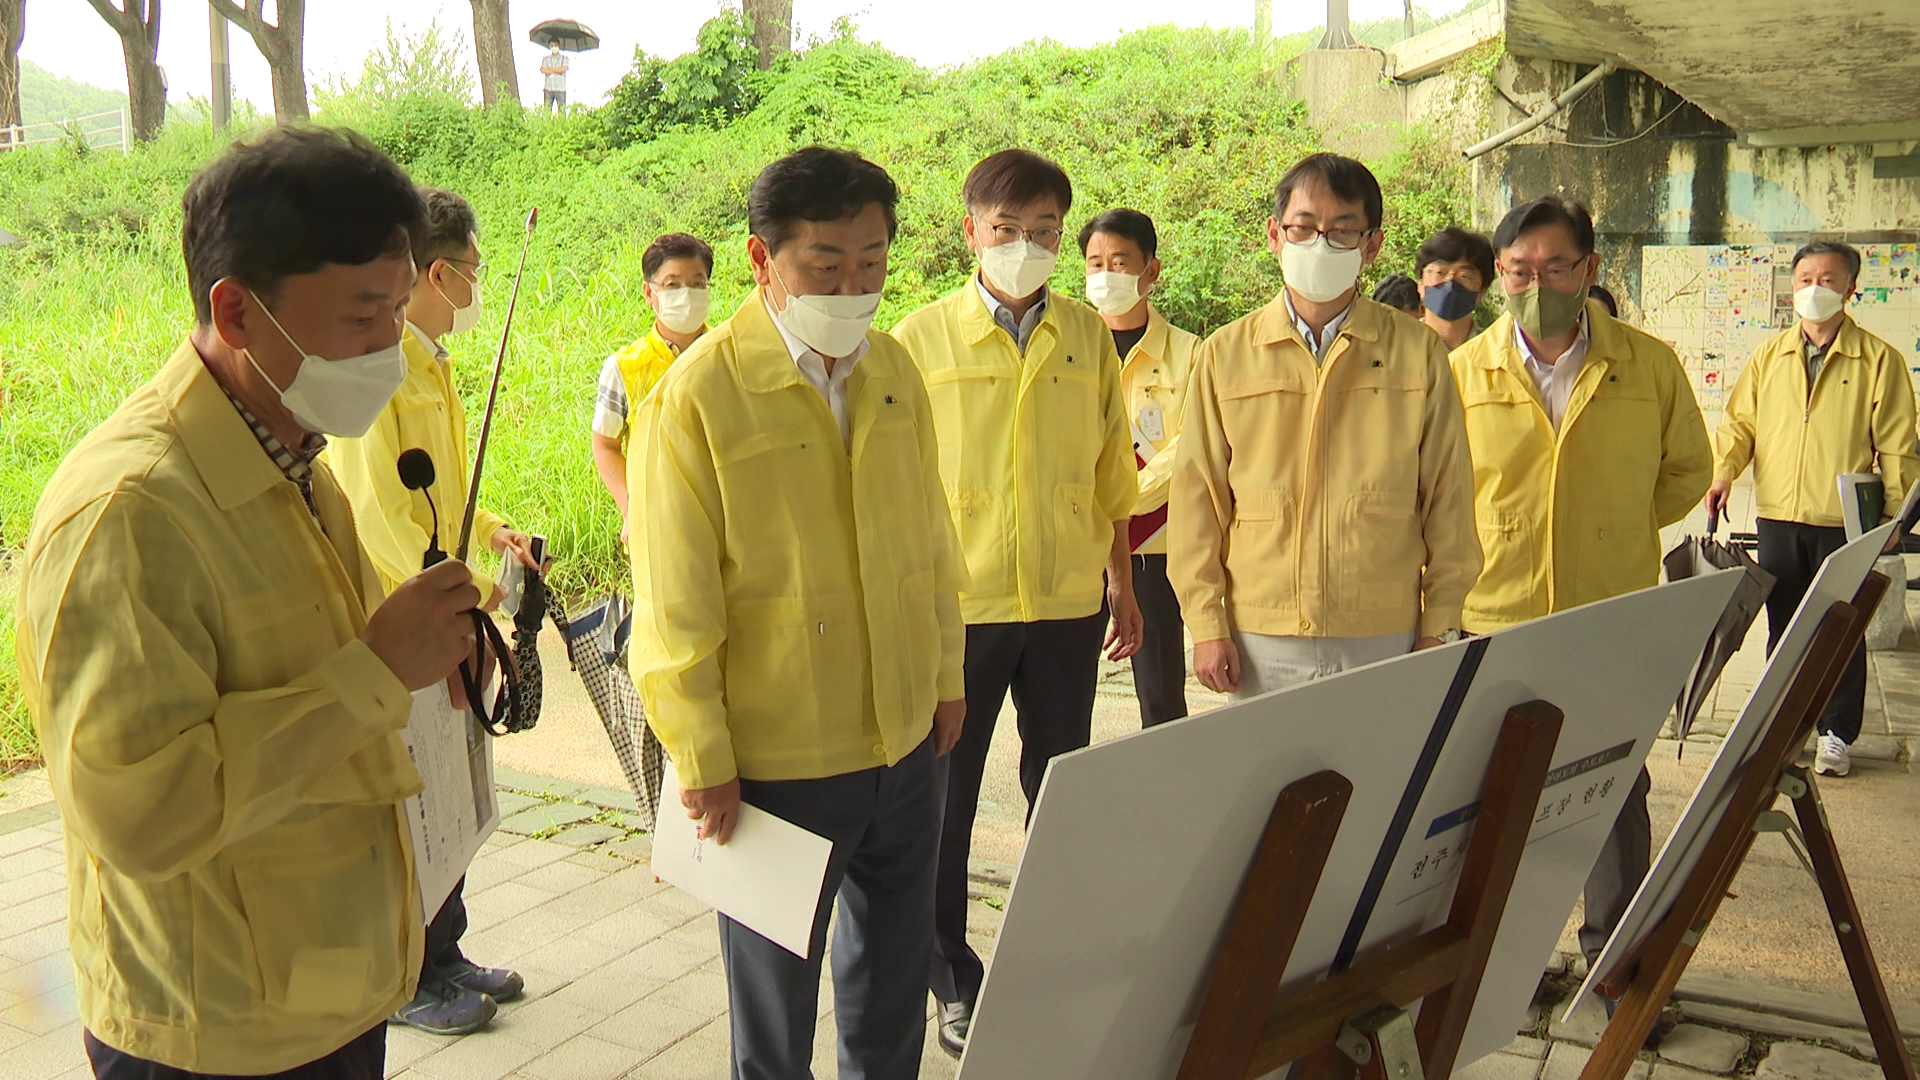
(1409, 802)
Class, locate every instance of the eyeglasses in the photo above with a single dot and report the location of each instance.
(479, 275)
(1045, 236)
(1559, 278)
(1337, 239)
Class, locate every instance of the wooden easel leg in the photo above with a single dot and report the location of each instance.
(1266, 923)
(1895, 1062)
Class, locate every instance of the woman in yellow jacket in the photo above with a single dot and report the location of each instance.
(1586, 440)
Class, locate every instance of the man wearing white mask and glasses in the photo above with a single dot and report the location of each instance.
(396, 524)
(1039, 471)
(677, 268)
(1819, 399)
(1324, 435)
(1123, 268)
(796, 633)
(216, 681)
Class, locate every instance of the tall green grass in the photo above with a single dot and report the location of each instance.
(1191, 126)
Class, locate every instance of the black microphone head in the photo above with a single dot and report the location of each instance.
(416, 469)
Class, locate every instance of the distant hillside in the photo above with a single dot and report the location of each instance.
(45, 96)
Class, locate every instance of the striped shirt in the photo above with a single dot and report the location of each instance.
(297, 465)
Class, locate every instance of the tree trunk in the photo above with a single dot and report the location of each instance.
(13, 29)
(284, 47)
(772, 23)
(493, 49)
(138, 25)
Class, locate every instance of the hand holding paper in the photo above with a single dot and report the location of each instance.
(767, 878)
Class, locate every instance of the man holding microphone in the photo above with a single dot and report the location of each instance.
(217, 685)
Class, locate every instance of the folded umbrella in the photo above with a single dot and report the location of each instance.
(1692, 557)
(597, 647)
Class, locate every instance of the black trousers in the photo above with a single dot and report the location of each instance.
(1160, 667)
(444, 931)
(1623, 864)
(365, 1058)
(1792, 553)
(1051, 669)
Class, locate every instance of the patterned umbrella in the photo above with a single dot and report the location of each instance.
(597, 646)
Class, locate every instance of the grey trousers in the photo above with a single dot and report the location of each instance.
(885, 828)
(1623, 864)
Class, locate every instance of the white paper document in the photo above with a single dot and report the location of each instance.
(455, 811)
(768, 877)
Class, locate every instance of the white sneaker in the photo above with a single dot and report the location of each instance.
(1833, 757)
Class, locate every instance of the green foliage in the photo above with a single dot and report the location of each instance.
(49, 98)
(16, 729)
(431, 64)
(717, 83)
(1190, 126)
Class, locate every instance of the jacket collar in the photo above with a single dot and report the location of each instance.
(223, 449)
(976, 321)
(1273, 323)
(1849, 340)
(1152, 344)
(1606, 340)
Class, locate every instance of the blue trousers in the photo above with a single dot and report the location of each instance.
(885, 828)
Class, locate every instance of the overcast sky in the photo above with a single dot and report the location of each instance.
(68, 38)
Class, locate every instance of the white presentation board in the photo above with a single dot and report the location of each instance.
(1839, 578)
(1138, 846)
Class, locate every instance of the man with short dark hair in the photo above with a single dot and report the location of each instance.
(1398, 292)
(797, 633)
(217, 685)
(1322, 510)
(1039, 473)
(1122, 250)
(1586, 441)
(1817, 400)
(677, 269)
(397, 527)
(1454, 268)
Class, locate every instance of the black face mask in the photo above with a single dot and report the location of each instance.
(1450, 300)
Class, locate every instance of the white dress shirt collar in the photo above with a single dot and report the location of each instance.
(1555, 380)
(813, 368)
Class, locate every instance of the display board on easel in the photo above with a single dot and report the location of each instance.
(1139, 847)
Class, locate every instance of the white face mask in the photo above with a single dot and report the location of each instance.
(830, 325)
(464, 318)
(1817, 302)
(1018, 269)
(1113, 293)
(337, 397)
(1317, 272)
(682, 309)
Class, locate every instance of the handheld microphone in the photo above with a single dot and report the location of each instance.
(416, 472)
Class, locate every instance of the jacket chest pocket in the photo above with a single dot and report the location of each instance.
(778, 474)
(1070, 418)
(965, 400)
(1264, 421)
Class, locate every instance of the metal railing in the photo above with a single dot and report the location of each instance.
(100, 131)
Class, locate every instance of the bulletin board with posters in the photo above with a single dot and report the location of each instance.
(1717, 303)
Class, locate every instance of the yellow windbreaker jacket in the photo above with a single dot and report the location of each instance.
(796, 603)
(394, 522)
(1329, 500)
(225, 751)
(1153, 379)
(1860, 413)
(1035, 452)
(1571, 517)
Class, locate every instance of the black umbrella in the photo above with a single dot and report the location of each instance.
(1693, 557)
(571, 36)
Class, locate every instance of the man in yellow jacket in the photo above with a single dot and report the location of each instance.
(1123, 267)
(677, 268)
(1039, 473)
(1819, 399)
(217, 685)
(1322, 507)
(1586, 441)
(456, 996)
(797, 635)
